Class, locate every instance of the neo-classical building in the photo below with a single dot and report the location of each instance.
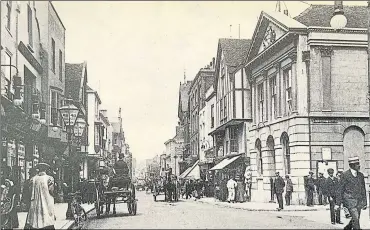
(309, 86)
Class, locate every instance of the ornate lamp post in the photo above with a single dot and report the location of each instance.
(69, 114)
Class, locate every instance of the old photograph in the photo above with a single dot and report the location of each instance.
(185, 115)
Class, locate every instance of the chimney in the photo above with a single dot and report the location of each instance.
(213, 61)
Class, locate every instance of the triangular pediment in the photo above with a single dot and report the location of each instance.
(271, 33)
(270, 28)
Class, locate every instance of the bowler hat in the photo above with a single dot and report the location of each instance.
(353, 160)
(330, 170)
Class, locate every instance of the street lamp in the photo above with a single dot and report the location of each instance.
(69, 114)
(338, 21)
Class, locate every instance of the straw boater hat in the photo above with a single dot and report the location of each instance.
(353, 160)
(42, 166)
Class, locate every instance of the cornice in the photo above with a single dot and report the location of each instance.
(331, 30)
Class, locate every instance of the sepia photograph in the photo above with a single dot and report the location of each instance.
(185, 114)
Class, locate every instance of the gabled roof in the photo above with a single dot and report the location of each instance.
(74, 78)
(320, 16)
(235, 50)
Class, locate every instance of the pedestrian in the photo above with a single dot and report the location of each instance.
(352, 192)
(310, 188)
(288, 190)
(27, 189)
(248, 182)
(330, 188)
(279, 185)
(41, 214)
(320, 182)
(345, 210)
(9, 193)
(231, 186)
(240, 191)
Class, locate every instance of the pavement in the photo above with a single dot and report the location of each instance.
(318, 213)
(190, 214)
(256, 206)
(60, 213)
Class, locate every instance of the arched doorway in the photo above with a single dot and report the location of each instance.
(259, 159)
(353, 145)
(271, 154)
(284, 140)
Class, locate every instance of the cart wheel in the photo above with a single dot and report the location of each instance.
(134, 208)
(129, 207)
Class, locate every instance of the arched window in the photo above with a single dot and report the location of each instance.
(271, 152)
(259, 157)
(284, 139)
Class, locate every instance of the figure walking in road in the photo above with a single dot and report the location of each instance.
(330, 188)
(352, 192)
(310, 188)
(231, 186)
(288, 190)
(41, 214)
(279, 185)
(27, 189)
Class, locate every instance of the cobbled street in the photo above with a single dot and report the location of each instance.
(192, 214)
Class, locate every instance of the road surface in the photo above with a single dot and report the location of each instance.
(192, 214)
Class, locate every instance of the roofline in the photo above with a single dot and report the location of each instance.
(96, 94)
(60, 20)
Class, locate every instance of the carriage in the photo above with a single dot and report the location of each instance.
(111, 191)
(167, 188)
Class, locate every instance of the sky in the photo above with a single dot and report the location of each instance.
(137, 54)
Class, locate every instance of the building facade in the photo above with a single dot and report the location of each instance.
(232, 108)
(207, 125)
(183, 114)
(197, 94)
(306, 116)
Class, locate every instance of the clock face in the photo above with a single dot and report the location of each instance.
(269, 38)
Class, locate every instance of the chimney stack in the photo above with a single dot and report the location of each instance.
(213, 61)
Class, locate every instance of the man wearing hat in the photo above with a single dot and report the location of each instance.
(310, 188)
(352, 192)
(41, 213)
(27, 188)
(121, 172)
(279, 185)
(330, 190)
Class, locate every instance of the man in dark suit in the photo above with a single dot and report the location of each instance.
(279, 185)
(352, 192)
(310, 188)
(330, 190)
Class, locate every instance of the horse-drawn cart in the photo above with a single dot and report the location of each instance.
(107, 194)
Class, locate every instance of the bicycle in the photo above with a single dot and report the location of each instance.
(78, 211)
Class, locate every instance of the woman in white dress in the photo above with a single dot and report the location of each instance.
(41, 214)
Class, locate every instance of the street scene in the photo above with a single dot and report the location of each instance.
(185, 115)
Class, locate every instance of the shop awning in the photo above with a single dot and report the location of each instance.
(225, 162)
(192, 172)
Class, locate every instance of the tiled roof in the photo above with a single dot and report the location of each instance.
(320, 15)
(73, 80)
(235, 50)
(184, 96)
(209, 81)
